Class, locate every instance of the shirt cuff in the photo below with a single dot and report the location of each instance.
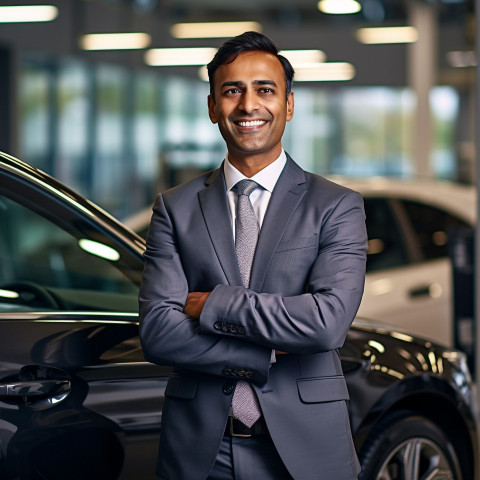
(273, 358)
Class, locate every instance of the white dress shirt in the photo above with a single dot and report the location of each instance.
(266, 178)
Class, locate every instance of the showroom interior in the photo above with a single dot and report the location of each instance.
(109, 97)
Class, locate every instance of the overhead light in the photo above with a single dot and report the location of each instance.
(312, 72)
(115, 41)
(377, 35)
(213, 29)
(28, 13)
(325, 72)
(298, 57)
(161, 57)
(340, 7)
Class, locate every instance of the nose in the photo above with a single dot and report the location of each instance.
(249, 101)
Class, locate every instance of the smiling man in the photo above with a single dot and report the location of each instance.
(253, 275)
(251, 106)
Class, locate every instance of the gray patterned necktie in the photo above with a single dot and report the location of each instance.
(245, 406)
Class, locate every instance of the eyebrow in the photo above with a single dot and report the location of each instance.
(239, 83)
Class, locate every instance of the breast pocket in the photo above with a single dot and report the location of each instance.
(298, 243)
(291, 265)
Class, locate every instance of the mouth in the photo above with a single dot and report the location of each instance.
(250, 123)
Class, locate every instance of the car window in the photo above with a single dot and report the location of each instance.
(431, 226)
(44, 266)
(386, 246)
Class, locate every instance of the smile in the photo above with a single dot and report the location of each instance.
(251, 123)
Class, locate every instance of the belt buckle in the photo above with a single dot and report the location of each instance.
(233, 434)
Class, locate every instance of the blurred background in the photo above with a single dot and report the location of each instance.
(387, 89)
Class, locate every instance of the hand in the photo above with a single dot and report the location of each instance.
(194, 304)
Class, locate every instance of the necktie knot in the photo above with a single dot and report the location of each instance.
(246, 187)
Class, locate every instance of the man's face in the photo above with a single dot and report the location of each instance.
(250, 106)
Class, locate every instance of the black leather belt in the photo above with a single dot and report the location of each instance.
(235, 428)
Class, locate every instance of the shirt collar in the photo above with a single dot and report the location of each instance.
(266, 178)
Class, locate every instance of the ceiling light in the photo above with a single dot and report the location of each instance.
(28, 13)
(313, 72)
(159, 57)
(376, 35)
(339, 6)
(213, 29)
(298, 57)
(325, 72)
(114, 41)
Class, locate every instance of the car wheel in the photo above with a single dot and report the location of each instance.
(407, 446)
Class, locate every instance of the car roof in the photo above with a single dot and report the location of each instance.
(458, 199)
(37, 177)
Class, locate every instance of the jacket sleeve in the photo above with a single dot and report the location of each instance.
(171, 337)
(316, 320)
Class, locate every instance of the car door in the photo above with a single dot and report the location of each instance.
(408, 281)
(77, 398)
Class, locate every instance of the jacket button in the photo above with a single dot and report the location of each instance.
(217, 325)
(228, 388)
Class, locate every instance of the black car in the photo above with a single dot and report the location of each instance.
(78, 400)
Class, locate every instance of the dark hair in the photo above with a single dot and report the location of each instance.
(248, 41)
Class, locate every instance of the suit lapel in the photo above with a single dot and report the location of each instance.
(287, 195)
(216, 212)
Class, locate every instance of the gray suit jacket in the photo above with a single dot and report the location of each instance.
(306, 285)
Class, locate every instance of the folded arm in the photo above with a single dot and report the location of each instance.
(317, 320)
(168, 334)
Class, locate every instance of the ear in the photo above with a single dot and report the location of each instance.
(211, 109)
(290, 105)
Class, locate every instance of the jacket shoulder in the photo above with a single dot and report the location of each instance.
(190, 188)
(328, 188)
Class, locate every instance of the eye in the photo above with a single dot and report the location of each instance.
(266, 90)
(232, 91)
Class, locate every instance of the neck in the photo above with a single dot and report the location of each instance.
(251, 164)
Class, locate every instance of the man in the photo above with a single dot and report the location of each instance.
(274, 322)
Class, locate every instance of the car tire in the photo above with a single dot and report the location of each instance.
(407, 446)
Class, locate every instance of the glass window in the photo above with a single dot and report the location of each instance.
(309, 136)
(444, 103)
(111, 166)
(386, 248)
(105, 130)
(431, 226)
(146, 142)
(375, 132)
(42, 265)
(74, 111)
(36, 115)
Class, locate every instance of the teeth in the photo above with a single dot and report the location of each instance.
(252, 123)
